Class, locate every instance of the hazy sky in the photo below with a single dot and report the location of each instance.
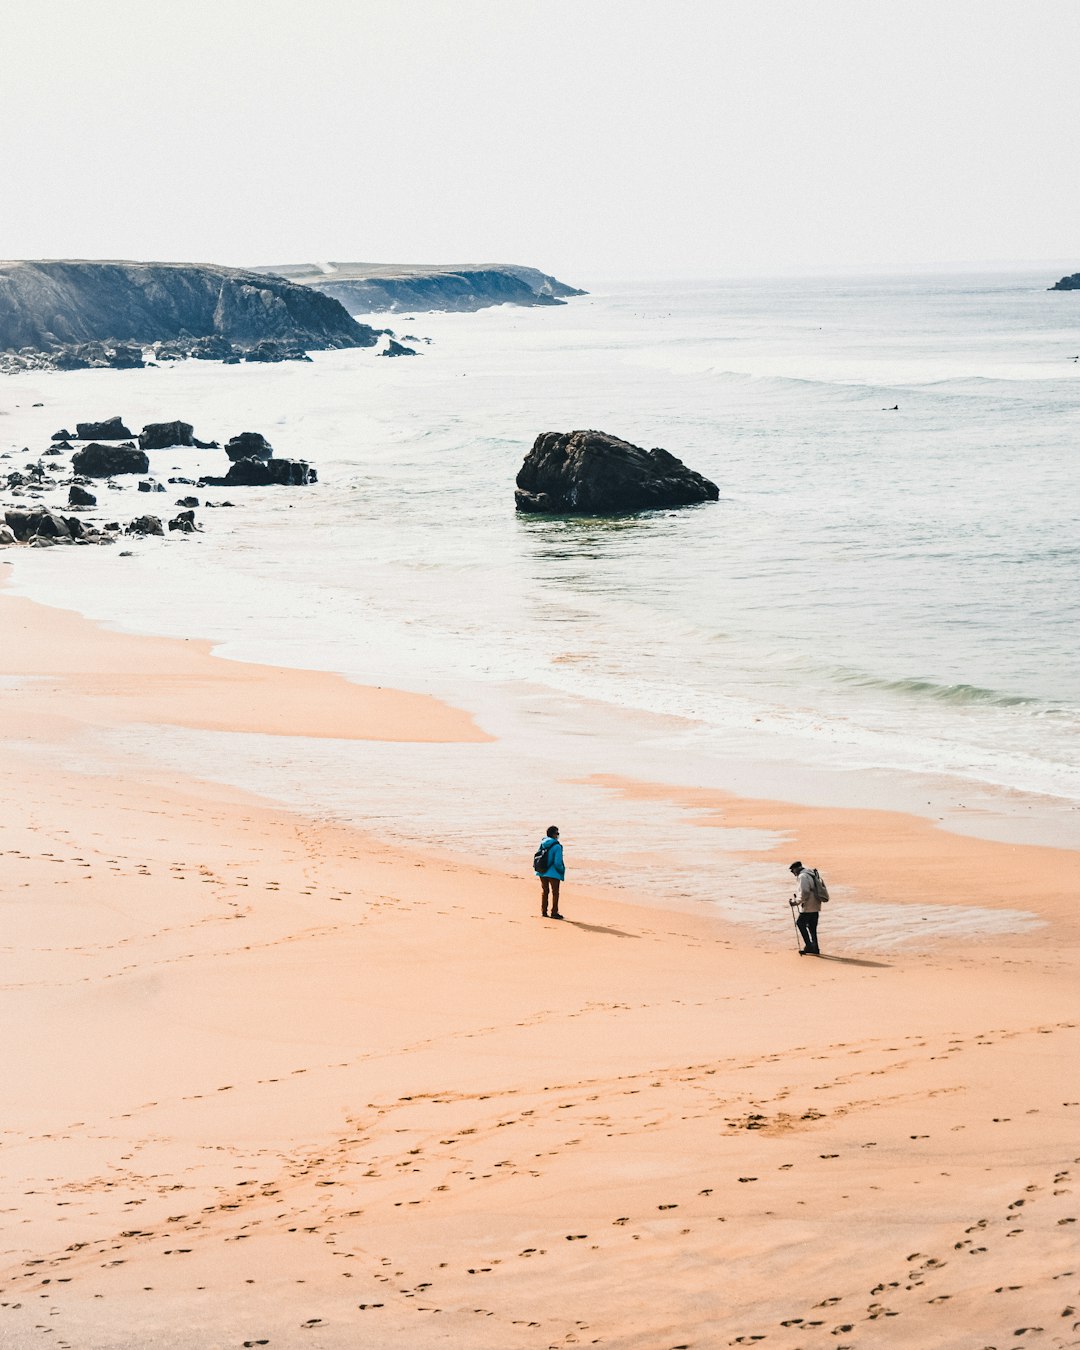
(588, 137)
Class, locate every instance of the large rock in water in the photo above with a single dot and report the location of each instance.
(1069, 283)
(102, 461)
(591, 473)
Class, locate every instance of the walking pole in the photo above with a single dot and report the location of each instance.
(795, 919)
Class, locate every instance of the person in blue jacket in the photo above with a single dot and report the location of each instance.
(553, 874)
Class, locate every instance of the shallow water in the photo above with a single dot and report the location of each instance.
(882, 606)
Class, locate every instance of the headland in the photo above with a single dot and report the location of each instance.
(370, 288)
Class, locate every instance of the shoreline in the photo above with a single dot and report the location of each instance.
(896, 858)
(776, 770)
(271, 1077)
(108, 679)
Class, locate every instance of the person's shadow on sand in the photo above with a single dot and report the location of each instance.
(598, 928)
(852, 961)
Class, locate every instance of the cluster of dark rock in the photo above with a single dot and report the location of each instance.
(230, 353)
(41, 526)
(592, 473)
(76, 356)
(124, 356)
(1069, 283)
(253, 464)
(108, 451)
(44, 526)
(252, 459)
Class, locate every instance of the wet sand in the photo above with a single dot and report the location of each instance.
(270, 1081)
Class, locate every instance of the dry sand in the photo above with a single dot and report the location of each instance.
(268, 1081)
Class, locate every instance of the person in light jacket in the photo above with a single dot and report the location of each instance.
(553, 875)
(809, 908)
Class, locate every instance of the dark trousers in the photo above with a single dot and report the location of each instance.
(546, 883)
(807, 926)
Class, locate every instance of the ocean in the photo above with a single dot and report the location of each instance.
(882, 608)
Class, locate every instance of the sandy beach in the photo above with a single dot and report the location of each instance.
(272, 1082)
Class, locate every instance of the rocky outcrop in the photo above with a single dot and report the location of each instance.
(264, 473)
(77, 356)
(124, 356)
(1070, 283)
(112, 429)
(28, 520)
(395, 348)
(38, 520)
(164, 435)
(53, 309)
(41, 527)
(199, 349)
(249, 445)
(184, 522)
(591, 473)
(102, 461)
(369, 288)
(275, 351)
(145, 525)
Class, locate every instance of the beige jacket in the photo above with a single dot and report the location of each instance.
(808, 900)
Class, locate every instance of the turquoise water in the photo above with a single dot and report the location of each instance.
(883, 605)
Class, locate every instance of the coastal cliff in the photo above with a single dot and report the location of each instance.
(50, 306)
(1070, 283)
(369, 288)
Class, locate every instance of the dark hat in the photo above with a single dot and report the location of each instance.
(796, 867)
